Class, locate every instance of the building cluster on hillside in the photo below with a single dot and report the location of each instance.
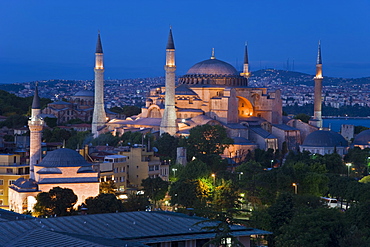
(134, 91)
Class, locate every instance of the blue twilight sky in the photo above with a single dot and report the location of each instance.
(43, 39)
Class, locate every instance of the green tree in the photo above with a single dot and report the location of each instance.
(195, 169)
(190, 193)
(167, 146)
(57, 135)
(365, 179)
(334, 163)
(131, 138)
(359, 160)
(15, 121)
(106, 139)
(136, 203)
(104, 203)
(226, 197)
(58, 201)
(207, 140)
(155, 188)
(51, 122)
(306, 229)
(108, 187)
(303, 117)
(79, 139)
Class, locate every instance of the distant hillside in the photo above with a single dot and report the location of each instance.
(11, 104)
(12, 87)
(294, 78)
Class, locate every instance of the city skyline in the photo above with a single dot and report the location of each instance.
(56, 40)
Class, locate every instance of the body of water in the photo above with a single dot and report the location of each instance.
(335, 123)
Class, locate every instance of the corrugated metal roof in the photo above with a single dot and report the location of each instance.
(116, 229)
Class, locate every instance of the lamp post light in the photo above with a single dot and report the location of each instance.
(295, 188)
(240, 174)
(214, 178)
(272, 161)
(174, 171)
(349, 167)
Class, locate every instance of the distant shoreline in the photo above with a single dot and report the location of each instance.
(344, 118)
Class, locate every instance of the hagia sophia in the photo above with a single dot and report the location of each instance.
(214, 92)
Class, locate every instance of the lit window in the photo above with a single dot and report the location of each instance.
(11, 181)
(1, 192)
(1, 182)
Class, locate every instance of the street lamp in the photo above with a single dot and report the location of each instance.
(349, 167)
(272, 162)
(295, 188)
(174, 171)
(240, 173)
(214, 178)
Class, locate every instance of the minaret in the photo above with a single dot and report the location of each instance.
(35, 125)
(99, 117)
(318, 90)
(168, 123)
(246, 73)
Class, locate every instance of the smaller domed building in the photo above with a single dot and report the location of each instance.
(63, 168)
(362, 140)
(79, 106)
(325, 142)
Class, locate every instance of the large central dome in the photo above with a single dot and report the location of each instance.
(212, 67)
(213, 72)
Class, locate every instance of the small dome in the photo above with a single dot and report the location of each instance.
(363, 138)
(63, 157)
(324, 138)
(85, 93)
(212, 67)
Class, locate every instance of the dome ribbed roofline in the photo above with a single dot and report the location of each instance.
(212, 66)
(63, 157)
(324, 138)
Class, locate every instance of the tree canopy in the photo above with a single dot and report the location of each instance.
(103, 203)
(58, 201)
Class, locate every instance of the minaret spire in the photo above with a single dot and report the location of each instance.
(99, 117)
(319, 60)
(318, 90)
(246, 72)
(168, 122)
(170, 43)
(35, 125)
(213, 54)
(99, 48)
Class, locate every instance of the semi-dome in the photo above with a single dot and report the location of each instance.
(84, 93)
(63, 157)
(212, 67)
(325, 138)
(363, 138)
